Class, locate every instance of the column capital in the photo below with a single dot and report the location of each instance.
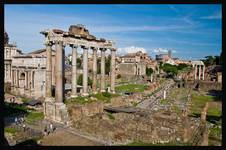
(84, 47)
(94, 48)
(73, 45)
(113, 49)
(103, 49)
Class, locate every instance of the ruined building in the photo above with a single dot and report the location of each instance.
(25, 72)
(133, 64)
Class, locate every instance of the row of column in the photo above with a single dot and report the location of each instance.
(59, 71)
(200, 69)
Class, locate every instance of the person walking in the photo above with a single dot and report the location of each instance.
(16, 121)
(24, 127)
(45, 131)
(51, 127)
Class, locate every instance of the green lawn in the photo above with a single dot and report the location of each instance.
(10, 130)
(199, 101)
(34, 116)
(163, 101)
(131, 88)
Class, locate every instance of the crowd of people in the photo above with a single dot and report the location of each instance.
(20, 122)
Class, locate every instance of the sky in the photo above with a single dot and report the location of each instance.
(191, 31)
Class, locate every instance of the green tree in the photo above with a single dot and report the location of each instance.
(107, 65)
(171, 70)
(80, 80)
(149, 71)
(182, 66)
(79, 63)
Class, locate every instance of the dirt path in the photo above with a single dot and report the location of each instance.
(62, 138)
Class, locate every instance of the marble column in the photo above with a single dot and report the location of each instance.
(12, 78)
(199, 71)
(94, 86)
(85, 71)
(59, 72)
(74, 71)
(17, 78)
(26, 79)
(203, 73)
(195, 71)
(48, 82)
(102, 79)
(113, 51)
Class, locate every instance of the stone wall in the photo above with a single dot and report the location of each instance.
(205, 85)
(124, 128)
(77, 112)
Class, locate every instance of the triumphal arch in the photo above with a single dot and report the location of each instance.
(77, 36)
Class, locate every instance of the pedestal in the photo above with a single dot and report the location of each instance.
(56, 112)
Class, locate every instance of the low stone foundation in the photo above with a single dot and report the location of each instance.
(56, 112)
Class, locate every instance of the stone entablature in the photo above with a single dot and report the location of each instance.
(54, 108)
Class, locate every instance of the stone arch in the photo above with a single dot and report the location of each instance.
(22, 76)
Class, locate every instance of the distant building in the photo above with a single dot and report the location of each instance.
(133, 64)
(26, 72)
(164, 57)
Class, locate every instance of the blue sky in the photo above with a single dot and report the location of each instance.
(191, 31)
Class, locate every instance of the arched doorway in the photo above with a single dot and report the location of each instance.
(22, 83)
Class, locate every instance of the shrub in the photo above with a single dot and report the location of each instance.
(118, 76)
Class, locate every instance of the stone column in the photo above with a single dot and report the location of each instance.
(17, 79)
(113, 51)
(203, 72)
(74, 71)
(102, 79)
(48, 81)
(199, 71)
(59, 72)
(26, 79)
(12, 78)
(85, 71)
(195, 71)
(94, 86)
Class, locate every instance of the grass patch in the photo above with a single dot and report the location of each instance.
(131, 88)
(199, 101)
(176, 110)
(10, 130)
(110, 116)
(34, 116)
(215, 132)
(163, 101)
(214, 111)
(105, 96)
(25, 100)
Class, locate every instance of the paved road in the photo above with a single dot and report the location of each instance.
(153, 100)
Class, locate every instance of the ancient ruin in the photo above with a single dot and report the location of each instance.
(77, 36)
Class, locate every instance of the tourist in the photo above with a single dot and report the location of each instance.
(45, 131)
(16, 121)
(24, 127)
(51, 127)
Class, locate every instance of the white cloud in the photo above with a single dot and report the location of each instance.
(217, 15)
(163, 50)
(131, 49)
